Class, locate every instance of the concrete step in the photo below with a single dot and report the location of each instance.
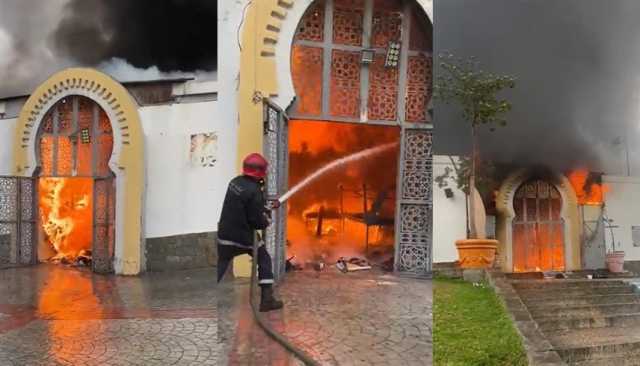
(563, 293)
(447, 270)
(564, 284)
(564, 324)
(600, 354)
(533, 303)
(609, 361)
(583, 311)
(596, 344)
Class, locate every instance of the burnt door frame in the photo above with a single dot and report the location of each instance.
(530, 227)
(18, 220)
(276, 151)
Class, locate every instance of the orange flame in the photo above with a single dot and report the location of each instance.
(66, 215)
(588, 194)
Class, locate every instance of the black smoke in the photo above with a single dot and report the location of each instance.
(578, 82)
(174, 35)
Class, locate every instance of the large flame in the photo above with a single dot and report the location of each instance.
(66, 215)
(340, 193)
(588, 193)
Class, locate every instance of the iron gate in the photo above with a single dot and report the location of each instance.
(18, 217)
(414, 215)
(593, 237)
(103, 225)
(276, 150)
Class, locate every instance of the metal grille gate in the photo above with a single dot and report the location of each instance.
(18, 217)
(276, 150)
(103, 225)
(414, 212)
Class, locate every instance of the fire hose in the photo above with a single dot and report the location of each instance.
(299, 353)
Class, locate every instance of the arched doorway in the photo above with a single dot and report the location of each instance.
(76, 187)
(366, 65)
(538, 228)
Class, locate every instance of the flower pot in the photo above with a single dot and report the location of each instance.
(476, 253)
(615, 262)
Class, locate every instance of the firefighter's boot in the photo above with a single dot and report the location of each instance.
(267, 301)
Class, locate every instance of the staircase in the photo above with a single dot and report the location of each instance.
(588, 322)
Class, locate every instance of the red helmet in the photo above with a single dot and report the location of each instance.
(255, 165)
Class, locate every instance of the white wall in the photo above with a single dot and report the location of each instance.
(623, 206)
(181, 198)
(7, 131)
(449, 217)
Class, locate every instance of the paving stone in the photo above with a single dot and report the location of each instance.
(362, 318)
(62, 316)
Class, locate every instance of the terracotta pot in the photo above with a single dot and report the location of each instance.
(615, 262)
(476, 253)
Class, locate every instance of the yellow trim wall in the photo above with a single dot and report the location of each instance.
(261, 27)
(123, 111)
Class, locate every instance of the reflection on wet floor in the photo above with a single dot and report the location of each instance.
(366, 318)
(55, 315)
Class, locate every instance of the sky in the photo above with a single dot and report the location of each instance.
(132, 40)
(577, 64)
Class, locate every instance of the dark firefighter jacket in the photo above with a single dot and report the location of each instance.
(243, 211)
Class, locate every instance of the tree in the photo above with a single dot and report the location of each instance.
(475, 91)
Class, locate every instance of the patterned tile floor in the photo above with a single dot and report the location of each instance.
(61, 316)
(365, 318)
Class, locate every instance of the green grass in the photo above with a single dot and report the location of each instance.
(471, 327)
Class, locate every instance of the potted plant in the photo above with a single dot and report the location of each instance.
(476, 92)
(614, 258)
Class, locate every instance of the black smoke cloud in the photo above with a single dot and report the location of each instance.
(578, 79)
(174, 35)
(130, 39)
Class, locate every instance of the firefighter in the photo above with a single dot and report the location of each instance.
(244, 211)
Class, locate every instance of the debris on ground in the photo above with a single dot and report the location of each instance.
(317, 265)
(352, 265)
(290, 265)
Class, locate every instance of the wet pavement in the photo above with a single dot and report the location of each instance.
(365, 318)
(53, 315)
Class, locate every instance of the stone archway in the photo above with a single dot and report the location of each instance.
(507, 215)
(127, 159)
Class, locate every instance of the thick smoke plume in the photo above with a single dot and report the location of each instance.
(578, 82)
(135, 40)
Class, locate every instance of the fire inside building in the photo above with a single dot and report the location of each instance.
(76, 188)
(130, 176)
(545, 221)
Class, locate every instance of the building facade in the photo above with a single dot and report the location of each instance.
(150, 161)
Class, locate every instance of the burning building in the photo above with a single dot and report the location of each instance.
(545, 221)
(343, 77)
(79, 157)
(131, 175)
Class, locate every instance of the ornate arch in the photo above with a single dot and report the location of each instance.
(267, 38)
(127, 159)
(506, 214)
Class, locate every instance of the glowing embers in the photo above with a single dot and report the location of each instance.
(589, 189)
(538, 228)
(66, 216)
(348, 212)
